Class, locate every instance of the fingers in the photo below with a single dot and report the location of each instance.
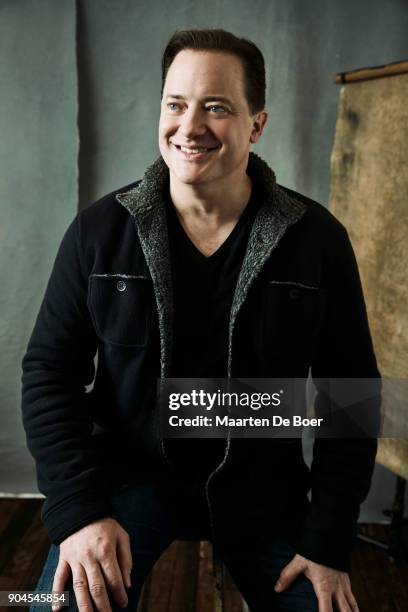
(124, 557)
(80, 585)
(95, 588)
(341, 604)
(114, 579)
(345, 602)
(351, 601)
(325, 601)
(60, 578)
(288, 574)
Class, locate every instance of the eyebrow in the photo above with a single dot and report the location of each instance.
(205, 99)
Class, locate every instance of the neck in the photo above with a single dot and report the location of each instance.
(215, 199)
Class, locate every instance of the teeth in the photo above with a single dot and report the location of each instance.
(199, 150)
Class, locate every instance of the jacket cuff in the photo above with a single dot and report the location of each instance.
(65, 518)
(332, 549)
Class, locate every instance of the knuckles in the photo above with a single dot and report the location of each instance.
(97, 589)
(79, 583)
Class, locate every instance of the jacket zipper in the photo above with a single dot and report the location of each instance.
(223, 462)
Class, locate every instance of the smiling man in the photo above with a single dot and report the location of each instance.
(204, 268)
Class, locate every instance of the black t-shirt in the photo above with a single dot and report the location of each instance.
(203, 289)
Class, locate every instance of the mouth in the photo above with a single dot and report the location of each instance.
(193, 153)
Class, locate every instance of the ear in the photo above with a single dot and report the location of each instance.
(258, 124)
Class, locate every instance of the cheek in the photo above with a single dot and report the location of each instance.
(226, 133)
(167, 127)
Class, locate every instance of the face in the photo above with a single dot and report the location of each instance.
(206, 127)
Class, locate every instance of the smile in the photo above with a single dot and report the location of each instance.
(195, 152)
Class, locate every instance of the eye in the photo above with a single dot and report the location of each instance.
(217, 109)
(173, 106)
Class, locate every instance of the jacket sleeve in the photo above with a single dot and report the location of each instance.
(341, 468)
(57, 365)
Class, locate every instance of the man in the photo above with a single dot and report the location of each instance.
(204, 268)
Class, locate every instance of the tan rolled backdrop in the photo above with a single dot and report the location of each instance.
(369, 194)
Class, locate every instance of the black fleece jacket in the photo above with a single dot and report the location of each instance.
(298, 306)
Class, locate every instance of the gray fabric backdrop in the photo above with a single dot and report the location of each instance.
(38, 190)
(119, 44)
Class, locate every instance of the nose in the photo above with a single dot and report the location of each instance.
(192, 123)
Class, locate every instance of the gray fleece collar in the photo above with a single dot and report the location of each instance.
(146, 203)
(148, 193)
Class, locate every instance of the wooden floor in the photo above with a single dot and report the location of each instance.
(182, 579)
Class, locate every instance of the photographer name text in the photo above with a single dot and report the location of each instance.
(227, 421)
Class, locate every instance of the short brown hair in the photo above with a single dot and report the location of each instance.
(199, 39)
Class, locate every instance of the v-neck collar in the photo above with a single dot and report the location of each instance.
(278, 211)
(220, 251)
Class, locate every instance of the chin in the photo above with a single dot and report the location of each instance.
(189, 178)
(188, 175)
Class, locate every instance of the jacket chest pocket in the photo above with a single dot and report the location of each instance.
(121, 307)
(292, 315)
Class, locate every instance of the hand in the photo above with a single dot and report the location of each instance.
(329, 584)
(99, 557)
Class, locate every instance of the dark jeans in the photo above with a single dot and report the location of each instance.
(158, 511)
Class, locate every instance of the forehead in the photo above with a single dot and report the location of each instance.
(205, 73)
